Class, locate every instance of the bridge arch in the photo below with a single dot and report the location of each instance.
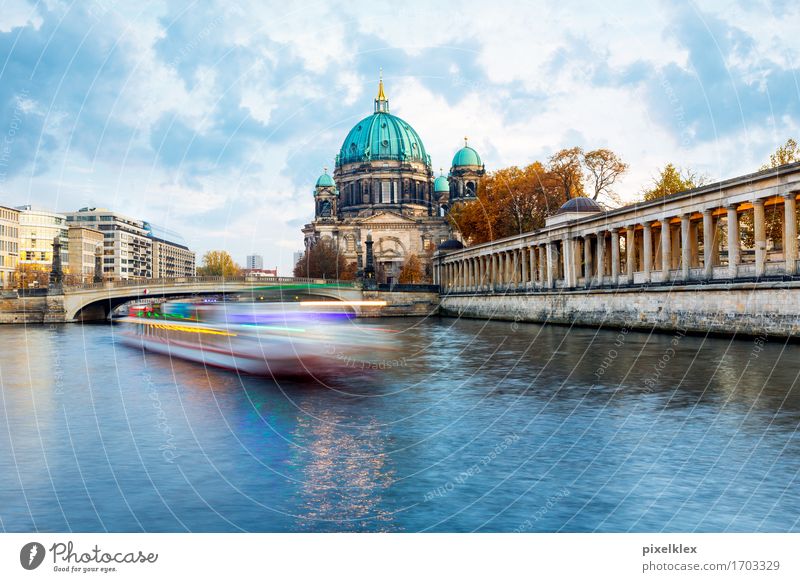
(96, 302)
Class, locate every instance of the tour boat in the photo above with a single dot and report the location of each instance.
(265, 339)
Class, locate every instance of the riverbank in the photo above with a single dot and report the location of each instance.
(766, 308)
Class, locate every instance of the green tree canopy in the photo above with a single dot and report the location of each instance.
(671, 180)
(785, 154)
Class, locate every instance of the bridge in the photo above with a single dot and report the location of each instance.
(727, 248)
(95, 301)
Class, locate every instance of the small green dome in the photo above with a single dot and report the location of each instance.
(466, 156)
(441, 184)
(325, 181)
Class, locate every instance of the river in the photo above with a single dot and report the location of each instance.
(475, 426)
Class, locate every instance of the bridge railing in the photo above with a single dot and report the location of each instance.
(189, 281)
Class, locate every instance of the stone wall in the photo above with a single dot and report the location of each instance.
(771, 308)
(23, 309)
(401, 304)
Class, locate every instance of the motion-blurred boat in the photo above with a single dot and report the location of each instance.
(258, 338)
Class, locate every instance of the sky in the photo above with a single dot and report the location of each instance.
(214, 119)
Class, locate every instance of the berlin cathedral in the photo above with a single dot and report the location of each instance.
(383, 184)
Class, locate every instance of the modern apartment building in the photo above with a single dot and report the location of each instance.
(83, 243)
(172, 260)
(9, 245)
(127, 248)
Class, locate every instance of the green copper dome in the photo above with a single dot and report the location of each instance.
(382, 136)
(325, 181)
(441, 184)
(466, 156)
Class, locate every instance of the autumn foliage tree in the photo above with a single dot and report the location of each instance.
(324, 261)
(412, 271)
(219, 264)
(603, 168)
(509, 201)
(566, 167)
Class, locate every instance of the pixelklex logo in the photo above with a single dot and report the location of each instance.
(31, 555)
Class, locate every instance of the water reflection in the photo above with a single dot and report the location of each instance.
(626, 431)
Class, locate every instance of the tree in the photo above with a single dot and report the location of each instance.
(28, 275)
(671, 180)
(324, 261)
(412, 271)
(509, 201)
(219, 264)
(566, 166)
(785, 154)
(603, 168)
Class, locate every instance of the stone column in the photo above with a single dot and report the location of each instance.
(760, 228)
(685, 247)
(708, 244)
(542, 266)
(515, 267)
(647, 250)
(550, 252)
(601, 256)
(587, 260)
(790, 232)
(733, 242)
(630, 251)
(615, 256)
(666, 249)
(532, 257)
(524, 260)
(570, 278)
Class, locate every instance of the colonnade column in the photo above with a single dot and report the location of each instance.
(615, 256)
(549, 252)
(542, 266)
(647, 251)
(760, 230)
(708, 244)
(587, 260)
(524, 260)
(532, 258)
(601, 256)
(790, 232)
(733, 242)
(685, 249)
(666, 249)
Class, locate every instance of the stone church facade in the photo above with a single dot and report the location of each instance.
(383, 184)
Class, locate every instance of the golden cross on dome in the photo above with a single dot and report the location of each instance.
(465, 141)
(381, 95)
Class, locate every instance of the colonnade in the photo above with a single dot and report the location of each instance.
(722, 240)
